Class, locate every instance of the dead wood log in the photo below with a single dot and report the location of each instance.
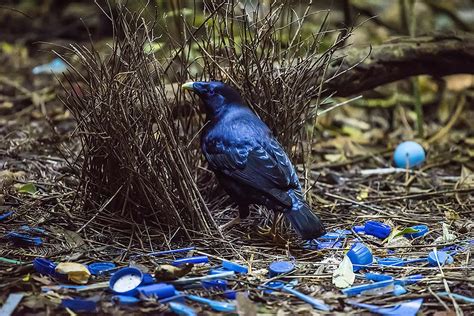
(358, 70)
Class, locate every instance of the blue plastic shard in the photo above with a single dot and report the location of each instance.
(232, 266)
(359, 229)
(171, 251)
(399, 290)
(24, 238)
(182, 309)
(439, 257)
(79, 305)
(376, 277)
(158, 290)
(6, 215)
(407, 308)
(217, 284)
(215, 305)
(11, 303)
(97, 268)
(34, 230)
(285, 287)
(377, 229)
(359, 289)
(125, 299)
(411, 279)
(458, 297)
(44, 266)
(56, 66)
(191, 260)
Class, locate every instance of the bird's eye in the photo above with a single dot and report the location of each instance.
(211, 92)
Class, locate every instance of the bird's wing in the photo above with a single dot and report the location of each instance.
(265, 167)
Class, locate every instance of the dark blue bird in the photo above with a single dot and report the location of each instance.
(248, 161)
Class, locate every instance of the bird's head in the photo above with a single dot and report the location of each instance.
(215, 95)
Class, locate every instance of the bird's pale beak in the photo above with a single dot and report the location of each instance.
(188, 86)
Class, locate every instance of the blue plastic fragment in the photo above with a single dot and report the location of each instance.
(44, 266)
(217, 271)
(171, 251)
(177, 297)
(407, 308)
(440, 257)
(458, 297)
(97, 268)
(125, 299)
(390, 261)
(158, 290)
(360, 256)
(280, 267)
(421, 231)
(56, 66)
(399, 290)
(24, 238)
(6, 215)
(339, 234)
(126, 281)
(411, 279)
(408, 155)
(148, 279)
(359, 229)
(377, 229)
(376, 277)
(182, 309)
(230, 294)
(79, 305)
(285, 287)
(215, 305)
(217, 284)
(232, 266)
(191, 260)
(359, 289)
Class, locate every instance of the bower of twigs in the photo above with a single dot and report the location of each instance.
(130, 180)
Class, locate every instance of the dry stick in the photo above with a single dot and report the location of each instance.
(357, 203)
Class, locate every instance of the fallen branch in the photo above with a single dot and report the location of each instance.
(357, 70)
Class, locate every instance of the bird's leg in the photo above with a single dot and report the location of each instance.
(272, 232)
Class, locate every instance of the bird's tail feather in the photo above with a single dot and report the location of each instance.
(305, 222)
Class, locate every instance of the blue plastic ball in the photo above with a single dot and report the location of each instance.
(408, 155)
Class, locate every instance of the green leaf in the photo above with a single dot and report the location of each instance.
(29, 188)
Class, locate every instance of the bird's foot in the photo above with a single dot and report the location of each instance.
(270, 232)
(230, 223)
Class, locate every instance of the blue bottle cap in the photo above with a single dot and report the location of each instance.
(280, 267)
(377, 229)
(216, 284)
(359, 229)
(421, 231)
(158, 290)
(442, 257)
(44, 266)
(125, 299)
(79, 305)
(232, 266)
(360, 256)
(148, 279)
(408, 155)
(98, 268)
(192, 260)
(126, 281)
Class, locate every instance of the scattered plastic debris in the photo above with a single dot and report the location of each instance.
(125, 299)
(24, 238)
(360, 256)
(377, 229)
(280, 267)
(457, 297)
(80, 305)
(158, 290)
(408, 154)
(421, 230)
(360, 289)
(11, 303)
(343, 276)
(76, 272)
(191, 260)
(285, 287)
(408, 308)
(215, 305)
(232, 266)
(126, 281)
(182, 309)
(56, 66)
(98, 268)
(441, 258)
(6, 215)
